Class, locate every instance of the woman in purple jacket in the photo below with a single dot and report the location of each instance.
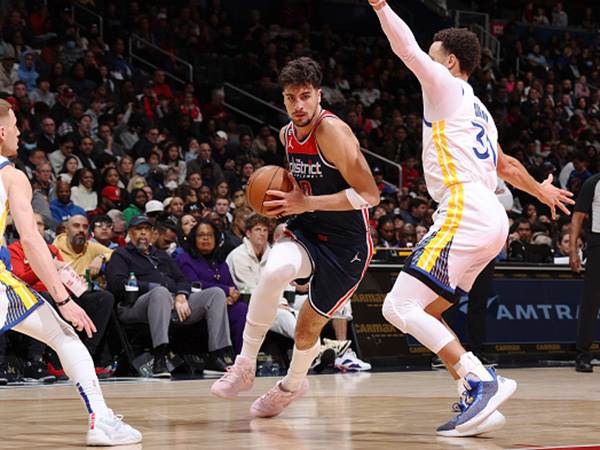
(202, 260)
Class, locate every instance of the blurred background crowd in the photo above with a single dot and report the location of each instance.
(106, 138)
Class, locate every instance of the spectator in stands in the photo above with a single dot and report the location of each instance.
(42, 93)
(246, 263)
(8, 70)
(82, 190)
(139, 198)
(559, 16)
(85, 153)
(202, 260)
(417, 211)
(88, 260)
(144, 146)
(165, 297)
(62, 207)
(26, 71)
(69, 169)
(57, 157)
(101, 231)
(386, 232)
(48, 139)
(165, 235)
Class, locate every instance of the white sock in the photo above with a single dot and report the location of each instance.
(301, 361)
(469, 366)
(254, 335)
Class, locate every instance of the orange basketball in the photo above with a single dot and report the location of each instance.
(265, 178)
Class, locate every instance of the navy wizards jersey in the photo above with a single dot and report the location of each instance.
(317, 176)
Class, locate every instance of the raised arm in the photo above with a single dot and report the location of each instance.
(439, 85)
(513, 172)
(339, 146)
(18, 189)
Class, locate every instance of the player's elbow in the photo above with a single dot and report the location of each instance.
(372, 197)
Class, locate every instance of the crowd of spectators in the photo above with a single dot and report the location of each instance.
(117, 155)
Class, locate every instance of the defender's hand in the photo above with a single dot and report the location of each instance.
(553, 197)
(74, 314)
(287, 203)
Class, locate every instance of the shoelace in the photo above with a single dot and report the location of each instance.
(463, 403)
(233, 372)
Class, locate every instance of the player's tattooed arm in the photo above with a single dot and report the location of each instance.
(513, 172)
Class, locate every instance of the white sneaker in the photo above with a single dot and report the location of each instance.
(109, 430)
(340, 347)
(493, 422)
(349, 362)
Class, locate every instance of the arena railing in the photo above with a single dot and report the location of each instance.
(78, 10)
(137, 42)
(280, 117)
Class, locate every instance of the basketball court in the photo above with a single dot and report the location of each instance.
(552, 408)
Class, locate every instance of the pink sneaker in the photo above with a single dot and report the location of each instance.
(276, 400)
(238, 378)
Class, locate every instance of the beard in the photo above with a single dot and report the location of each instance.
(78, 239)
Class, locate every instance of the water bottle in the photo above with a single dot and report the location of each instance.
(131, 289)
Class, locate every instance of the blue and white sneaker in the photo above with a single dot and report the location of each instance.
(349, 362)
(480, 402)
(494, 422)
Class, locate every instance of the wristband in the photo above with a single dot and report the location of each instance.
(64, 302)
(356, 199)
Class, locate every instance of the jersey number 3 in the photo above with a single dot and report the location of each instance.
(484, 143)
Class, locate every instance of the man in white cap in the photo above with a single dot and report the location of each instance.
(154, 208)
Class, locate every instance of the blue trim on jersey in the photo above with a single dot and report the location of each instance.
(9, 326)
(432, 278)
(427, 124)
(5, 163)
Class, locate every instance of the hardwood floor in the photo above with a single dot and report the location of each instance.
(552, 407)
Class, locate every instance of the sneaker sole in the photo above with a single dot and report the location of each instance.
(505, 390)
(102, 440)
(493, 422)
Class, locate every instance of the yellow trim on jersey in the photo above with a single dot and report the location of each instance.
(448, 229)
(3, 222)
(24, 294)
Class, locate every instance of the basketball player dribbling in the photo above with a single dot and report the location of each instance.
(461, 159)
(328, 241)
(22, 309)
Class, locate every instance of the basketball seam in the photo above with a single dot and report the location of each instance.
(262, 204)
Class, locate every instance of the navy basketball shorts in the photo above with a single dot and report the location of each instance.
(338, 267)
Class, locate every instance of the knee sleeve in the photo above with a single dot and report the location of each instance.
(278, 277)
(410, 318)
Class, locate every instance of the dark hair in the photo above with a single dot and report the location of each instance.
(165, 223)
(301, 71)
(76, 181)
(415, 203)
(463, 44)
(256, 219)
(189, 245)
(383, 220)
(98, 219)
(67, 159)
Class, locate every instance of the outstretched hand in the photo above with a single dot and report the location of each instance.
(287, 203)
(377, 4)
(74, 314)
(555, 197)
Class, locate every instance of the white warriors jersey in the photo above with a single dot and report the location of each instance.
(460, 148)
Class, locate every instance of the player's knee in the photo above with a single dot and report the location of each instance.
(398, 312)
(279, 276)
(305, 338)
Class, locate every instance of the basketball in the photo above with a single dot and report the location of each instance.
(265, 178)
